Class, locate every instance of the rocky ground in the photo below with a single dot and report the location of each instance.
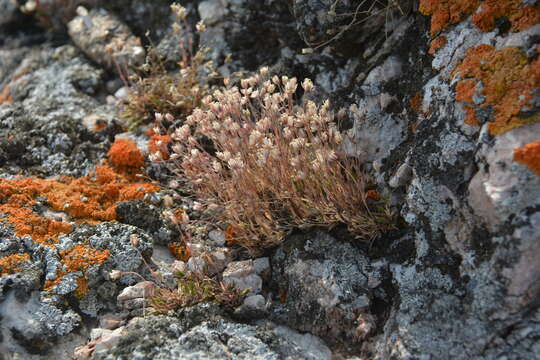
(445, 118)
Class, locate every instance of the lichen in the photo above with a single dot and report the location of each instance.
(507, 81)
(486, 13)
(529, 155)
(78, 259)
(436, 44)
(179, 251)
(158, 144)
(10, 264)
(444, 13)
(88, 199)
(124, 154)
(520, 16)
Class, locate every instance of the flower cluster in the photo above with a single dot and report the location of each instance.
(272, 164)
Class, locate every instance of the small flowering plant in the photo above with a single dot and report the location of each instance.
(272, 164)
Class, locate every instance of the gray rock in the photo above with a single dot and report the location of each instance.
(212, 11)
(106, 39)
(203, 332)
(325, 285)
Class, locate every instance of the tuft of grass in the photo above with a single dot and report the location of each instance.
(272, 164)
(194, 289)
(156, 90)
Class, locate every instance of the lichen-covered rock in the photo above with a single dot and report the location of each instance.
(325, 287)
(40, 126)
(203, 332)
(106, 39)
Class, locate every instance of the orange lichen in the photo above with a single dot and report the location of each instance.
(179, 251)
(230, 235)
(25, 222)
(373, 194)
(486, 12)
(529, 155)
(5, 96)
(508, 80)
(447, 12)
(100, 125)
(158, 144)
(436, 44)
(416, 103)
(89, 198)
(520, 16)
(78, 259)
(10, 264)
(124, 154)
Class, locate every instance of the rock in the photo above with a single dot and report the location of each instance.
(261, 266)
(106, 39)
(401, 177)
(253, 307)
(252, 282)
(325, 287)
(196, 265)
(238, 269)
(144, 290)
(204, 332)
(217, 237)
(504, 187)
(212, 11)
(109, 340)
(243, 276)
(43, 126)
(9, 12)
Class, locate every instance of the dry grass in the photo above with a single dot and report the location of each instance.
(156, 90)
(273, 165)
(194, 289)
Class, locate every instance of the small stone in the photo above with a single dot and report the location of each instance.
(196, 265)
(255, 302)
(217, 237)
(212, 11)
(179, 266)
(122, 93)
(83, 352)
(110, 323)
(110, 340)
(99, 332)
(261, 266)
(401, 177)
(238, 269)
(144, 289)
(252, 282)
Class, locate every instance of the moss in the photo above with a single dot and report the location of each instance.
(10, 264)
(508, 81)
(529, 155)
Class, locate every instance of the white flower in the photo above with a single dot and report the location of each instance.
(307, 84)
(115, 275)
